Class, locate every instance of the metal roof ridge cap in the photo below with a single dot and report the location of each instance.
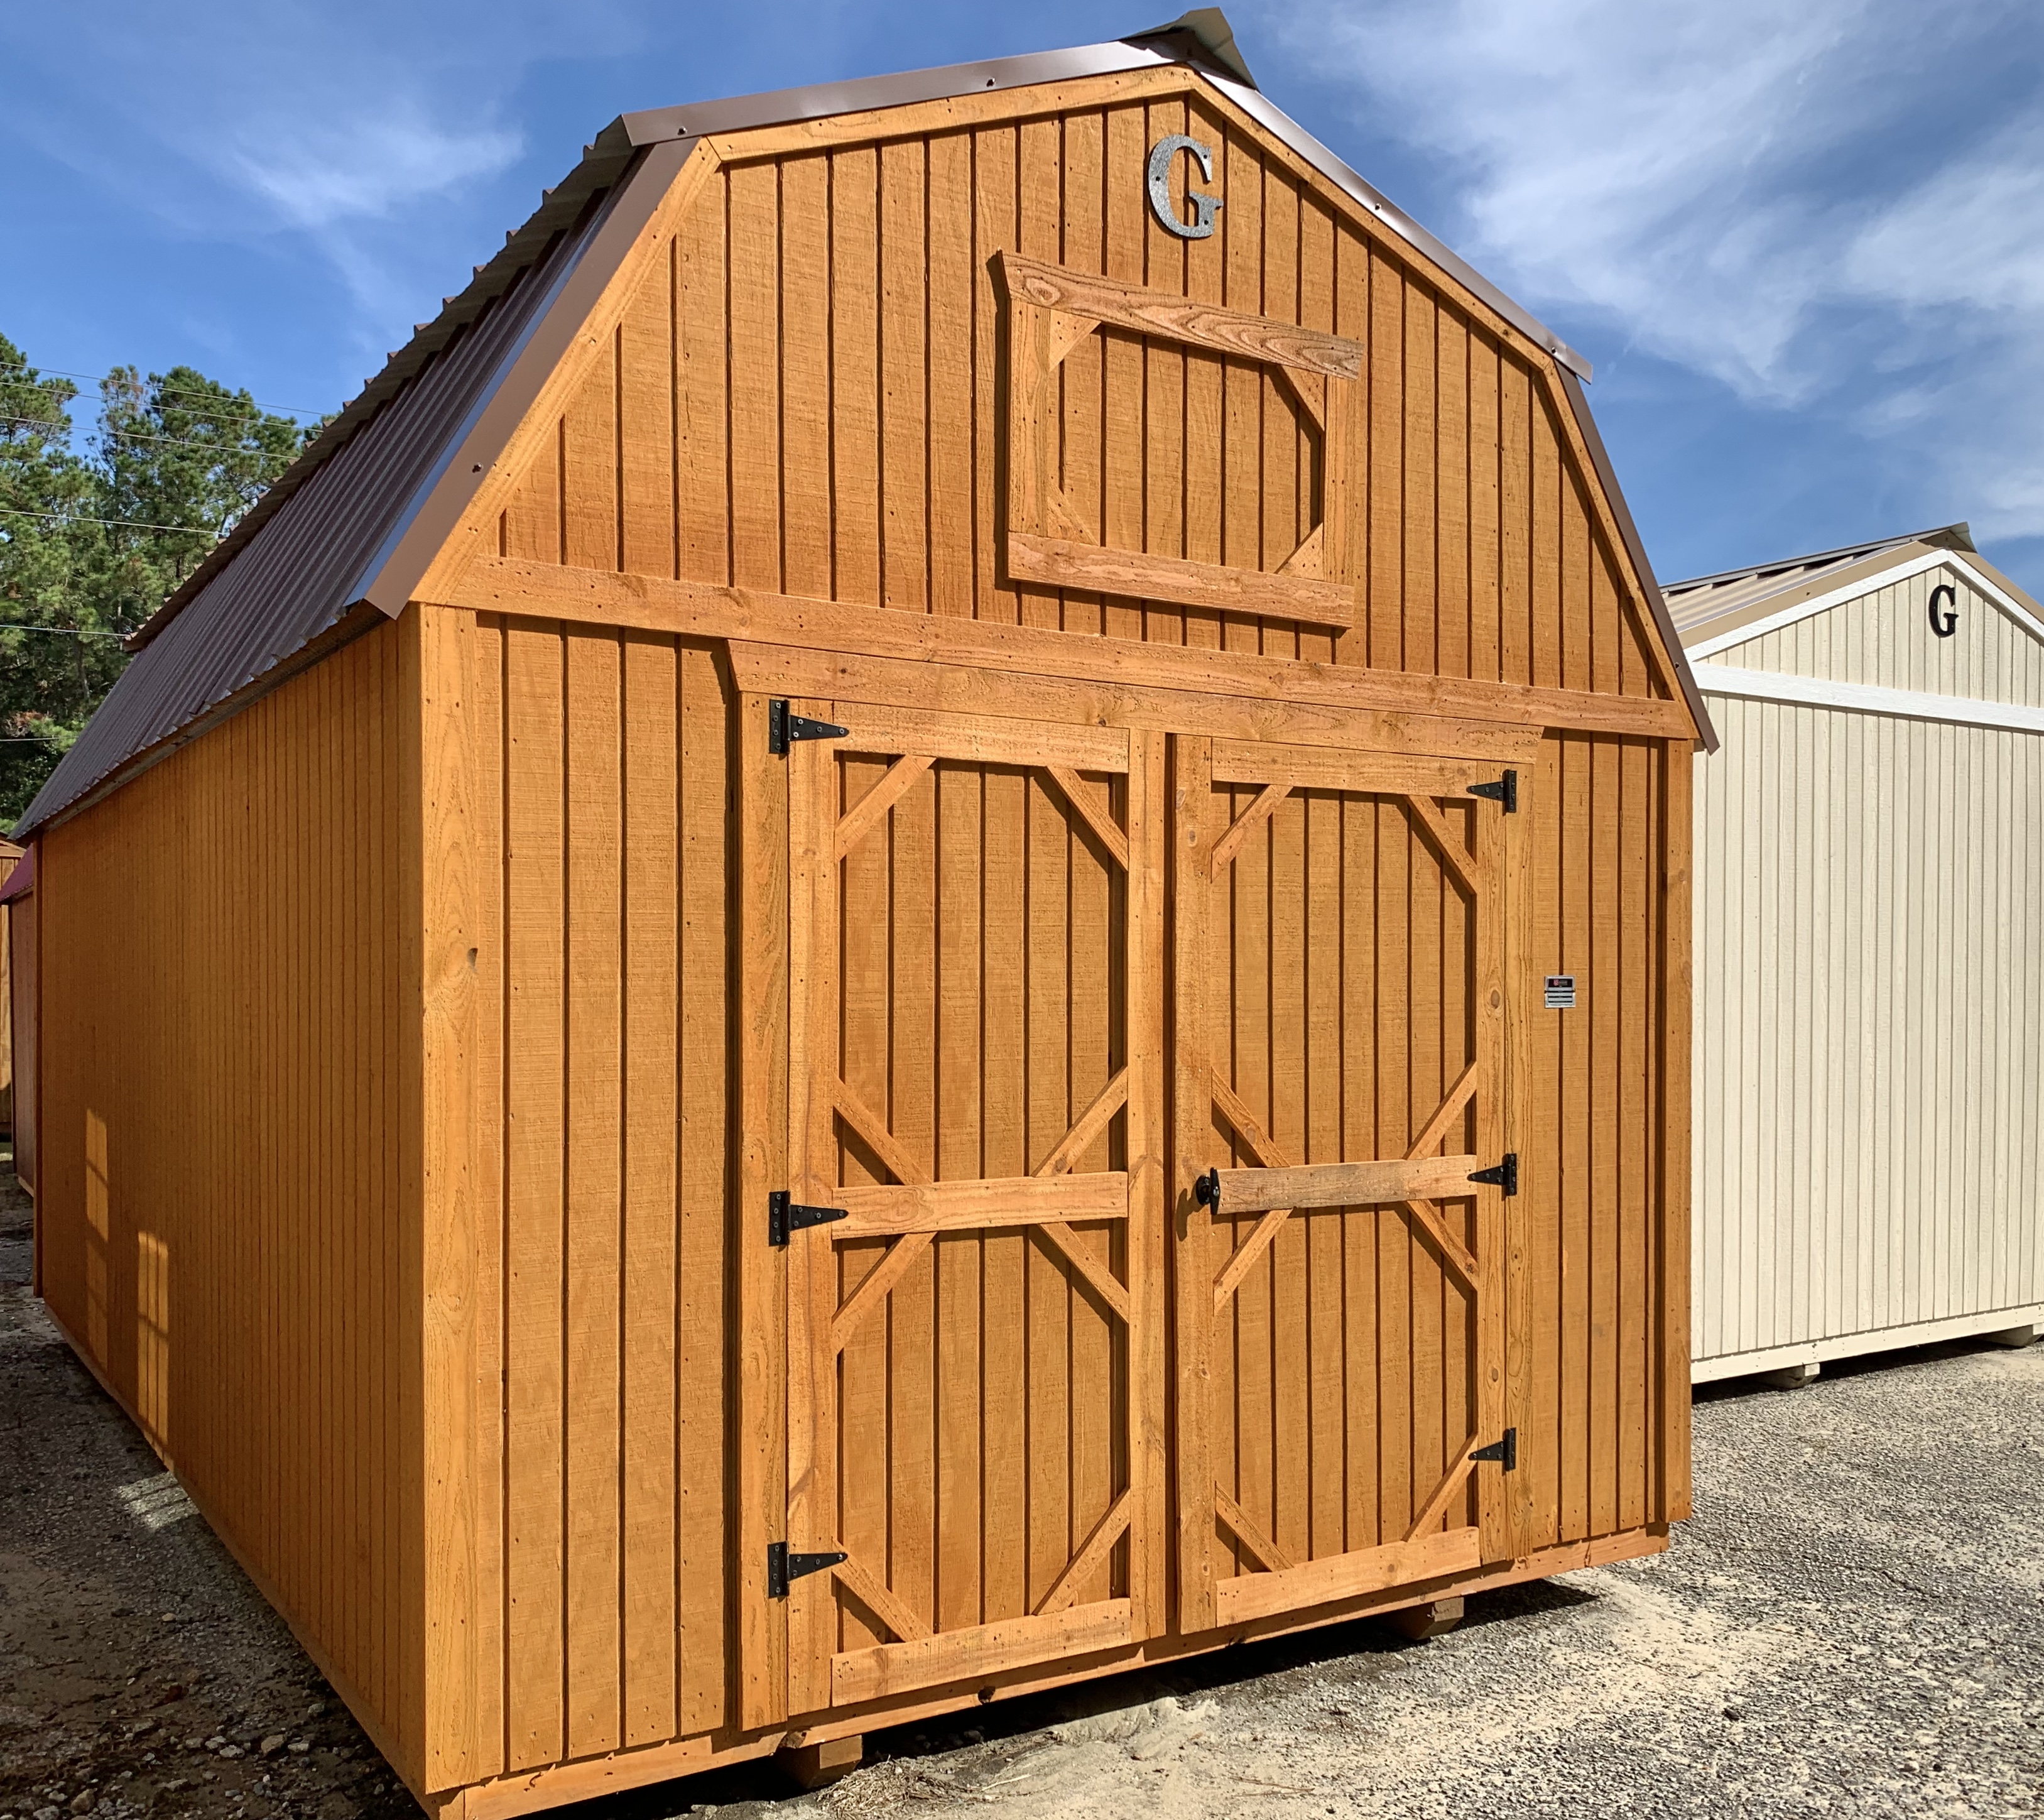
(902, 88)
(1260, 108)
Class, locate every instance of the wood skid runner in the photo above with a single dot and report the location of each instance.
(1179, 1380)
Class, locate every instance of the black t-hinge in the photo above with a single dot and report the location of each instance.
(784, 1215)
(783, 728)
(1505, 791)
(781, 1567)
(1505, 1451)
(1505, 1175)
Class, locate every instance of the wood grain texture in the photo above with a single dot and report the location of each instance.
(164, 1253)
(929, 240)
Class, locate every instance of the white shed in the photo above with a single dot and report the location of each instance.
(1868, 1135)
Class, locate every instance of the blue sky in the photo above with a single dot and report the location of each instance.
(1804, 246)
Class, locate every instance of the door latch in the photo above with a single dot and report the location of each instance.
(782, 1566)
(1505, 1451)
(785, 1217)
(1504, 790)
(1505, 1175)
(784, 727)
(1206, 1190)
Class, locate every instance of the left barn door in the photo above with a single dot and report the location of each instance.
(974, 1223)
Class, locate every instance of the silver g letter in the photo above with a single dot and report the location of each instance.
(1161, 155)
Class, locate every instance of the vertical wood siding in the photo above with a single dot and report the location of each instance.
(1869, 1048)
(805, 395)
(604, 1062)
(1592, 1192)
(1349, 960)
(982, 1412)
(219, 1207)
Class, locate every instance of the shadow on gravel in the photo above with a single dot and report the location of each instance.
(1353, 1652)
(1868, 1364)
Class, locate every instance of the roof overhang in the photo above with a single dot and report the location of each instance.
(1897, 563)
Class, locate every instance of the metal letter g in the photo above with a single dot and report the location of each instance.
(1161, 155)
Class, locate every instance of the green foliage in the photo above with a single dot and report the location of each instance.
(91, 544)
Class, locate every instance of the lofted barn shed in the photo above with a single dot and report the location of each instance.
(1870, 1112)
(833, 983)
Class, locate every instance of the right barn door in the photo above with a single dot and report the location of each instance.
(1339, 1041)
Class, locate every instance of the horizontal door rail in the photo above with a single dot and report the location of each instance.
(1314, 768)
(1345, 1184)
(1009, 1201)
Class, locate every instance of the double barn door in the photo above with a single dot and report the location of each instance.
(1136, 1281)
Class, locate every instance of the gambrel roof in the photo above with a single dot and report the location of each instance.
(349, 532)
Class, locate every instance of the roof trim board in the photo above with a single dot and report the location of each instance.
(1903, 567)
(482, 444)
(1867, 699)
(1635, 548)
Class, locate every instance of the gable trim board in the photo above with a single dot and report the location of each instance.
(1866, 698)
(188, 670)
(1976, 574)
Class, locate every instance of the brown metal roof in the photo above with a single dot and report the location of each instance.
(1706, 604)
(360, 514)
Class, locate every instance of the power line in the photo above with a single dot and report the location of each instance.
(125, 524)
(139, 436)
(168, 391)
(66, 631)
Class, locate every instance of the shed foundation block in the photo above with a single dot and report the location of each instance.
(1792, 1377)
(1420, 1621)
(2023, 1336)
(818, 1765)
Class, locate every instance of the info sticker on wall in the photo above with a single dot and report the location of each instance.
(1560, 992)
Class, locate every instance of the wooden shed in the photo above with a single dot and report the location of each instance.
(814, 985)
(1869, 1046)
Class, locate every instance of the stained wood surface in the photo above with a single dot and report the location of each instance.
(962, 1421)
(220, 1218)
(1339, 1026)
(776, 466)
(822, 307)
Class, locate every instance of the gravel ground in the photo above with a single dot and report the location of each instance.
(1853, 1624)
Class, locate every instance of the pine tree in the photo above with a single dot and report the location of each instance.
(91, 545)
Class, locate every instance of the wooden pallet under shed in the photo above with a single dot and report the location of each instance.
(829, 990)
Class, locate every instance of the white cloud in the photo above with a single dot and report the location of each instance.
(1810, 205)
(366, 170)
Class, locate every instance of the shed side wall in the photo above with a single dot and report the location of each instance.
(219, 1207)
(806, 396)
(1869, 1048)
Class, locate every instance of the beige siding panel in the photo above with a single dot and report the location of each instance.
(1869, 1042)
(1885, 638)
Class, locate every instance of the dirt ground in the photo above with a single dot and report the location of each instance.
(1853, 1624)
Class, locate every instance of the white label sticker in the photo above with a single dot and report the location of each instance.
(1560, 992)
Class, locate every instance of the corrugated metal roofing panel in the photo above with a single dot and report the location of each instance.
(309, 562)
(1699, 603)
